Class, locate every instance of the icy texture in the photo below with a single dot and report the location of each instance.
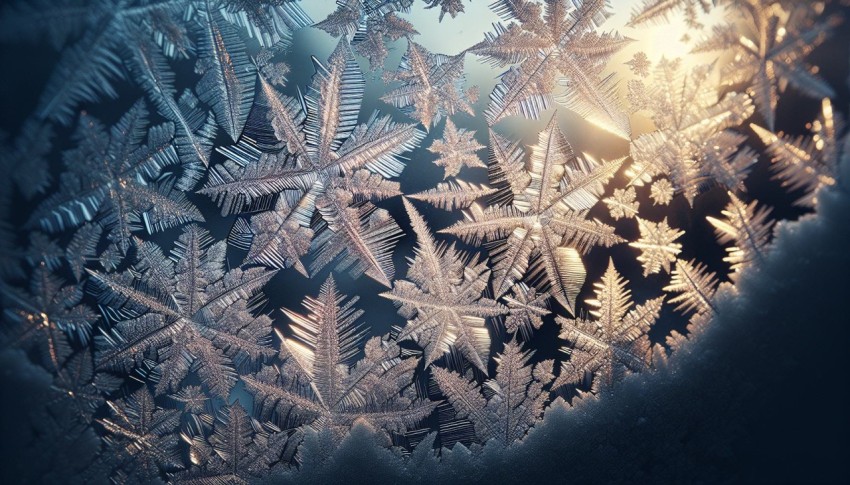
(138, 317)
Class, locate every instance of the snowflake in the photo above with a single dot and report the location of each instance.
(443, 300)
(808, 164)
(451, 7)
(655, 10)
(139, 437)
(613, 344)
(431, 85)
(526, 308)
(188, 313)
(240, 449)
(516, 395)
(640, 64)
(656, 245)
(622, 204)
(318, 382)
(456, 149)
(193, 398)
(769, 51)
(693, 141)
(368, 28)
(748, 226)
(661, 192)
(550, 198)
(114, 177)
(46, 315)
(555, 45)
(330, 165)
(696, 287)
(454, 194)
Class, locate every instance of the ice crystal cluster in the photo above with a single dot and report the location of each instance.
(142, 272)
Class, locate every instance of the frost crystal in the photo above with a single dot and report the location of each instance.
(187, 312)
(546, 218)
(640, 64)
(615, 342)
(656, 245)
(692, 142)
(454, 194)
(96, 40)
(368, 24)
(46, 315)
(443, 299)
(336, 166)
(748, 226)
(140, 438)
(526, 308)
(696, 286)
(622, 204)
(111, 175)
(661, 192)
(808, 164)
(659, 10)
(431, 85)
(451, 7)
(321, 385)
(141, 312)
(456, 150)
(239, 449)
(552, 46)
(516, 395)
(769, 49)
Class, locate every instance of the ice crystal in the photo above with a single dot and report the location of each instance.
(661, 192)
(240, 449)
(451, 7)
(333, 165)
(550, 197)
(431, 85)
(656, 245)
(456, 150)
(748, 226)
(769, 49)
(113, 177)
(615, 342)
(659, 10)
(640, 64)
(321, 385)
(526, 307)
(187, 312)
(622, 204)
(505, 407)
(193, 398)
(696, 286)
(693, 143)
(454, 194)
(369, 25)
(195, 128)
(140, 438)
(808, 164)
(228, 79)
(191, 378)
(551, 46)
(46, 316)
(95, 39)
(443, 299)
(278, 238)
